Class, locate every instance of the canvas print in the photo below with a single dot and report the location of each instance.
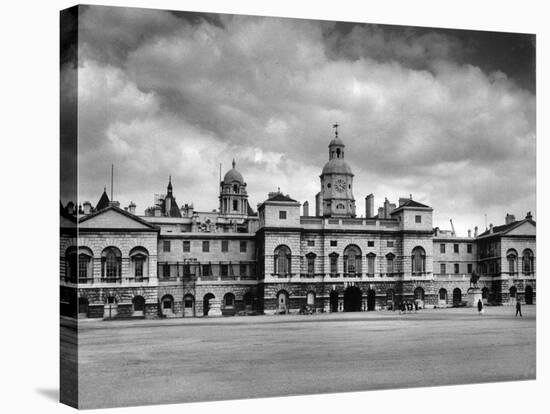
(261, 206)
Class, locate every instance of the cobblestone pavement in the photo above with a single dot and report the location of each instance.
(169, 361)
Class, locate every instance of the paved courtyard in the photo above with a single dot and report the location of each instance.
(184, 360)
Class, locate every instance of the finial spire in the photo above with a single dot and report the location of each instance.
(335, 126)
(233, 163)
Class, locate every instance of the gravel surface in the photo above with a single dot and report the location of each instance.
(183, 360)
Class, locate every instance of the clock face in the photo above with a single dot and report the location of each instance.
(340, 185)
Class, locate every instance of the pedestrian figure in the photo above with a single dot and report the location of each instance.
(415, 306)
(403, 309)
(518, 308)
(479, 306)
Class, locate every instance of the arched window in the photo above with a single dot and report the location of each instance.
(352, 260)
(512, 257)
(443, 294)
(419, 293)
(139, 262)
(528, 262)
(418, 260)
(340, 206)
(229, 300)
(111, 263)
(236, 188)
(167, 304)
(333, 263)
(513, 291)
(310, 257)
(390, 264)
(282, 260)
(371, 259)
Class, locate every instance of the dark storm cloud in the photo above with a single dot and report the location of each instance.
(423, 111)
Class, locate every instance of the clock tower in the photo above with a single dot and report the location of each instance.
(337, 182)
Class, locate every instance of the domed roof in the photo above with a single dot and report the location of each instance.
(336, 166)
(233, 175)
(336, 141)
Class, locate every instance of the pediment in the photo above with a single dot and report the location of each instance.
(527, 228)
(114, 218)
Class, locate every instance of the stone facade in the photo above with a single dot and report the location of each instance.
(234, 261)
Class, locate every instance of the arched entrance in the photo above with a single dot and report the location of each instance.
(188, 306)
(138, 306)
(206, 303)
(528, 295)
(457, 297)
(229, 304)
(334, 301)
(371, 300)
(282, 301)
(353, 298)
(167, 305)
(419, 296)
(442, 296)
(82, 307)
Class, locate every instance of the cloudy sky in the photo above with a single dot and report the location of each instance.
(446, 115)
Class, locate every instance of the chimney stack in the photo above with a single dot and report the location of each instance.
(475, 231)
(318, 205)
(306, 208)
(132, 208)
(510, 218)
(70, 208)
(491, 228)
(386, 208)
(369, 206)
(469, 233)
(529, 216)
(87, 207)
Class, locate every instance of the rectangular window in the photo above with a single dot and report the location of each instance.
(282, 215)
(443, 268)
(223, 270)
(333, 243)
(370, 265)
(457, 268)
(311, 243)
(455, 247)
(389, 265)
(138, 267)
(206, 270)
(311, 265)
(186, 246)
(166, 245)
(390, 243)
(418, 219)
(243, 247)
(470, 268)
(242, 269)
(333, 264)
(166, 271)
(469, 248)
(205, 246)
(370, 243)
(225, 245)
(186, 270)
(442, 248)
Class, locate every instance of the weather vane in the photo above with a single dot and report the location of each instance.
(335, 126)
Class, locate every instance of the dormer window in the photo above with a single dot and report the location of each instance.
(236, 189)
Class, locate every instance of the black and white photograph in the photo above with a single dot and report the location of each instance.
(267, 211)
(271, 206)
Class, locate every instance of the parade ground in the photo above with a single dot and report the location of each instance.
(203, 359)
